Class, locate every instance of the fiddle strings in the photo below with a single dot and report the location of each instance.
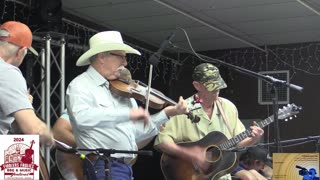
(125, 74)
(125, 77)
(159, 95)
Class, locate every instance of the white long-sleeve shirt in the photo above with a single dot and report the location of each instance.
(100, 119)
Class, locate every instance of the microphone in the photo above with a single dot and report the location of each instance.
(145, 153)
(64, 147)
(155, 57)
(284, 83)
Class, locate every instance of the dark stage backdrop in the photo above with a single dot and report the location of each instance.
(243, 91)
(175, 81)
(173, 78)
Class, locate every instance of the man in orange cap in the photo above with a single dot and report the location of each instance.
(15, 39)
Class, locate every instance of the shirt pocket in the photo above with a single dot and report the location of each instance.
(105, 104)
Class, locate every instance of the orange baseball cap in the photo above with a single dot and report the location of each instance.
(18, 34)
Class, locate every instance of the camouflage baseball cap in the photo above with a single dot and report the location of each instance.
(209, 76)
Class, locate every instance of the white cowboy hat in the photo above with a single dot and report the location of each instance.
(105, 41)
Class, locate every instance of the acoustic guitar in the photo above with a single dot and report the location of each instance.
(218, 152)
(70, 166)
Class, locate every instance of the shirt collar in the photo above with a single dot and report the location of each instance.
(215, 111)
(96, 76)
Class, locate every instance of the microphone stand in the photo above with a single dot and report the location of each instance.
(275, 106)
(271, 80)
(104, 154)
(108, 152)
(154, 60)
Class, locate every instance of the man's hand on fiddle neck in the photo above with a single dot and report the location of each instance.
(179, 108)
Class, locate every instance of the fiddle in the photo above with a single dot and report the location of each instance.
(126, 87)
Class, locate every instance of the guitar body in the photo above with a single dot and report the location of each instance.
(220, 162)
(70, 166)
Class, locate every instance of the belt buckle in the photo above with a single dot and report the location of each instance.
(120, 160)
(93, 157)
(129, 160)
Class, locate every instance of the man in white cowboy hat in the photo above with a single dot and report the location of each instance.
(15, 39)
(101, 119)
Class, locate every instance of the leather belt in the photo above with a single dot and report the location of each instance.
(120, 160)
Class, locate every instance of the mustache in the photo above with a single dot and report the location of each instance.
(121, 68)
(124, 73)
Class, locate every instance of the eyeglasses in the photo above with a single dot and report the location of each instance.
(118, 55)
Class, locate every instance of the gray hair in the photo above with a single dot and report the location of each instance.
(4, 33)
(94, 57)
(8, 49)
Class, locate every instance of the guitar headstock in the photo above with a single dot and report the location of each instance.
(289, 111)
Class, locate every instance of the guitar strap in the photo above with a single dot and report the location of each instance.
(218, 102)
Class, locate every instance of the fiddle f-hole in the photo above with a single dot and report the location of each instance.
(213, 154)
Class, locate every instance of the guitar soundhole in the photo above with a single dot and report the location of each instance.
(213, 154)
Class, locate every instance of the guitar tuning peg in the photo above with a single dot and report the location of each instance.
(285, 120)
(290, 118)
(295, 116)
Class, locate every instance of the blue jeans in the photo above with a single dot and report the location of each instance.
(95, 170)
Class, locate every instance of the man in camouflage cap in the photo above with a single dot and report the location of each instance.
(209, 76)
(208, 83)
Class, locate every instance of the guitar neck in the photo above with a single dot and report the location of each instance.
(238, 138)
